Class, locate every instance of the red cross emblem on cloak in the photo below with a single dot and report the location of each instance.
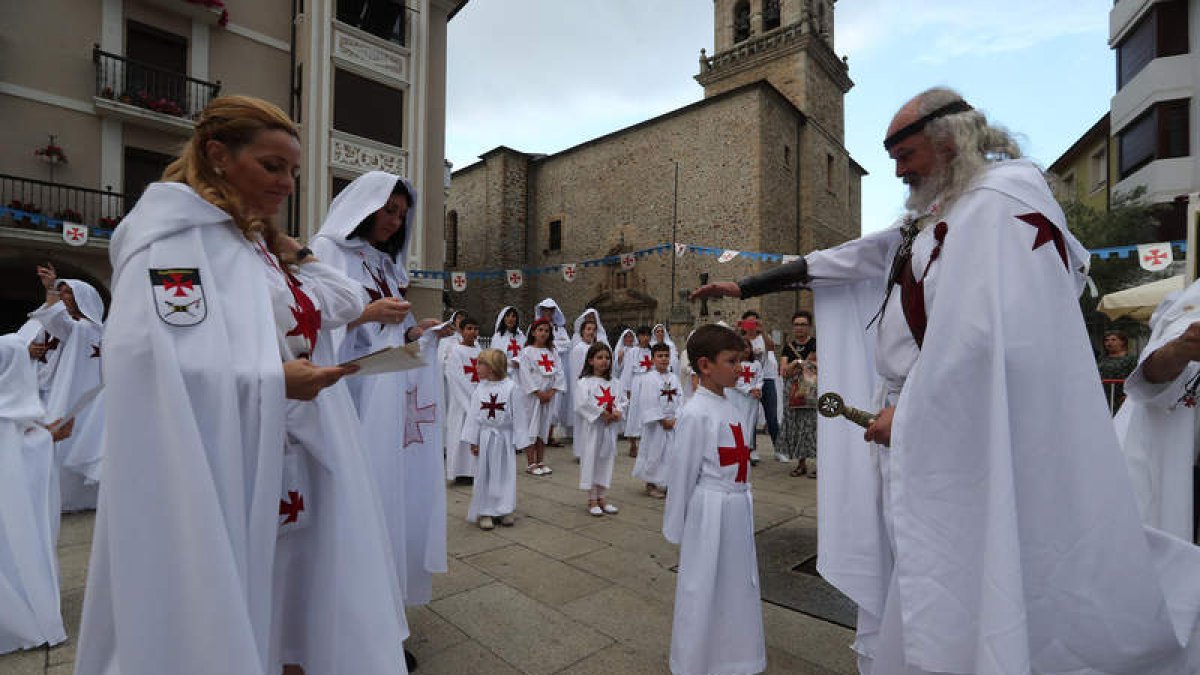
(738, 454)
(513, 348)
(95, 351)
(492, 406)
(646, 363)
(51, 344)
(547, 363)
(1046, 233)
(472, 370)
(382, 288)
(176, 282)
(415, 416)
(606, 399)
(308, 319)
(669, 393)
(747, 374)
(292, 507)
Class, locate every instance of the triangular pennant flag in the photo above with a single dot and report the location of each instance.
(628, 260)
(680, 249)
(790, 259)
(727, 255)
(1155, 257)
(515, 278)
(458, 281)
(74, 234)
(569, 271)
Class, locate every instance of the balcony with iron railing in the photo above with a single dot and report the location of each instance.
(41, 206)
(140, 92)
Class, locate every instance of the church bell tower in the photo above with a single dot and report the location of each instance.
(789, 43)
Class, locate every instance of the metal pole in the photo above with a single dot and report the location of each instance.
(674, 227)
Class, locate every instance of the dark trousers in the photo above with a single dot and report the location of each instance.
(770, 409)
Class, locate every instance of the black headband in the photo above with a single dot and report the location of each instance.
(951, 108)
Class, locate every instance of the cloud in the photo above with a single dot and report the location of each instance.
(937, 31)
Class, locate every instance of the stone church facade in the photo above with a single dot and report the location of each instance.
(757, 165)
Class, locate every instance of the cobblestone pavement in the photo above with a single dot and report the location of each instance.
(560, 592)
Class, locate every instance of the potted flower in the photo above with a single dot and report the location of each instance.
(69, 215)
(51, 153)
(107, 223)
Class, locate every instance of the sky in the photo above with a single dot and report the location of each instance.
(541, 76)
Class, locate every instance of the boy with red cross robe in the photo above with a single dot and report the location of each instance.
(658, 403)
(718, 625)
(462, 377)
(746, 395)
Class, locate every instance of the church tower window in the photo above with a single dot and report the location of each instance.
(452, 239)
(741, 21)
(555, 243)
(770, 15)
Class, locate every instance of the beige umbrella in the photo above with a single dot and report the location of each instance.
(1139, 302)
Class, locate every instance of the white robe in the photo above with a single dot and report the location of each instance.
(33, 331)
(29, 593)
(541, 370)
(718, 625)
(659, 398)
(596, 438)
(338, 603)
(77, 373)
(492, 423)
(1025, 554)
(563, 414)
(749, 380)
(579, 360)
(509, 343)
(637, 362)
(1159, 431)
(398, 411)
(185, 534)
(462, 378)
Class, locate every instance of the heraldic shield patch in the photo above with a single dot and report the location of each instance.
(178, 296)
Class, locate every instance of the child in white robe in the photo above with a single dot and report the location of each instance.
(660, 335)
(637, 362)
(746, 394)
(659, 398)
(29, 593)
(462, 375)
(509, 338)
(717, 625)
(493, 431)
(543, 381)
(563, 414)
(600, 405)
(588, 331)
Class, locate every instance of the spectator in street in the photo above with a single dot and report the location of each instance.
(764, 352)
(1116, 364)
(798, 437)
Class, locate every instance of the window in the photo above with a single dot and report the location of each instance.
(1099, 167)
(555, 235)
(770, 15)
(829, 171)
(1160, 133)
(1161, 32)
(1066, 191)
(142, 167)
(787, 156)
(160, 64)
(741, 21)
(382, 18)
(367, 108)
(452, 239)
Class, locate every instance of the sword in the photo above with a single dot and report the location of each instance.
(832, 405)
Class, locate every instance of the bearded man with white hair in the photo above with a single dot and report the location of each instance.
(985, 522)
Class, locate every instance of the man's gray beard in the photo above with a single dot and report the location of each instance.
(921, 197)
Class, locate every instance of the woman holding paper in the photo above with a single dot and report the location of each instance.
(366, 236)
(196, 401)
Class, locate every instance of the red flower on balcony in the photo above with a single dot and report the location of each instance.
(18, 205)
(160, 104)
(107, 223)
(52, 153)
(214, 4)
(69, 215)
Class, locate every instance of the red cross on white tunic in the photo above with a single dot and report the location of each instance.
(308, 318)
(292, 507)
(646, 362)
(547, 363)
(472, 370)
(747, 374)
(513, 348)
(415, 416)
(382, 288)
(606, 399)
(492, 406)
(669, 393)
(738, 454)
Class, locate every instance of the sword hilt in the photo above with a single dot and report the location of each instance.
(832, 405)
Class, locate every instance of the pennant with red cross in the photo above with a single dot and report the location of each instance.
(1155, 257)
(458, 281)
(178, 296)
(74, 234)
(515, 278)
(628, 260)
(570, 271)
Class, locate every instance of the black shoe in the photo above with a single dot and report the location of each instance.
(464, 480)
(410, 661)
